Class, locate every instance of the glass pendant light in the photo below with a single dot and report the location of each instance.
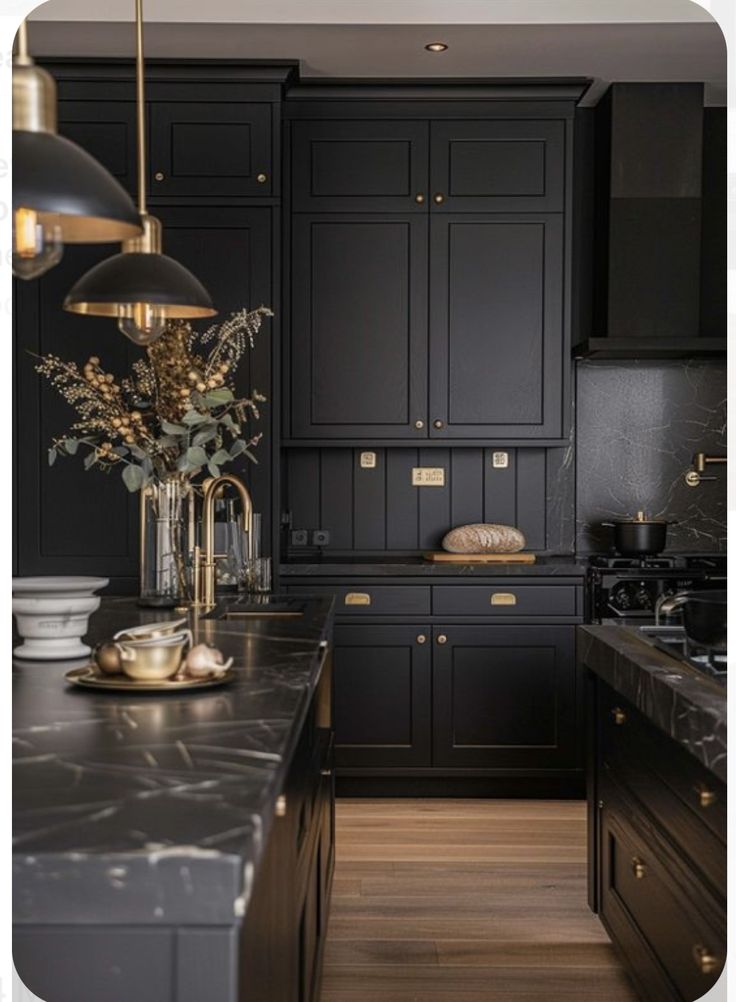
(61, 194)
(141, 287)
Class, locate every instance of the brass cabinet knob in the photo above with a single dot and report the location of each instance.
(706, 797)
(421, 639)
(442, 639)
(280, 809)
(706, 961)
(159, 175)
(419, 425)
(419, 198)
(438, 423)
(619, 717)
(261, 178)
(439, 198)
(638, 868)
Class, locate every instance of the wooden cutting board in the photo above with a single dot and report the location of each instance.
(441, 557)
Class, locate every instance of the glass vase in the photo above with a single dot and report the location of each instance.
(168, 522)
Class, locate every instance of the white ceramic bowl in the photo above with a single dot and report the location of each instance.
(52, 614)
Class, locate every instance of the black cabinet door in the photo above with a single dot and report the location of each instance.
(359, 326)
(211, 148)
(75, 522)
(382, 696)
(106, 130)
(376, 166)
(497, 166)
(496, 327)
(504, 697)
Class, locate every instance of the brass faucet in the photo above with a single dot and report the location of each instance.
(700, 462)
(205, 562)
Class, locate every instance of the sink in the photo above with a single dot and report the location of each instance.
(262, 607)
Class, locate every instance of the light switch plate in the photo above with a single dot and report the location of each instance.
(428, 476)
(500, 460)
(368, 460)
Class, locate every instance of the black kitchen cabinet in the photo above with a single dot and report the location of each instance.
(497, 166)
(504, 697)
(383, 702)
(496, 326)
(106, 130)
(204, 148)
(359, 326)
(368, 166)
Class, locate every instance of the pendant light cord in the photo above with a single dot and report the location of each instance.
(141, 106)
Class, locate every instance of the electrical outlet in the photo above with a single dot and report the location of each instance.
(320, 537)
(300, 537)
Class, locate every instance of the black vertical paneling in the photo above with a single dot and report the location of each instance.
(303, 476)
(530, 496)
(402, 502)
(499, 492)
(336, 509)
(466, 486)
(369, 503)
(434, 502)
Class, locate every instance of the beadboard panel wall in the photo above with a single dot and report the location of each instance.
(378, 510)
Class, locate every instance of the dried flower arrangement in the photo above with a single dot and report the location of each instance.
(177, 414)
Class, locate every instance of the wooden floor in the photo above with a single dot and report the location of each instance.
(465, 901)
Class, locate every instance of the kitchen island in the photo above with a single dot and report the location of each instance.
(160, 838)
(656, 811)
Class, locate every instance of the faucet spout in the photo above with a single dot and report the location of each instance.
(206, 596)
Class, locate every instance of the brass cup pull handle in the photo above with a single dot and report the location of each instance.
(706, 797)
(357, 598)
(419, 198)
(442, 639)
(503, 598)
(421, 639)
(261, 178)
(325, 772)
(619, 716)
(707, 962)
(439, 198)
(638, 868)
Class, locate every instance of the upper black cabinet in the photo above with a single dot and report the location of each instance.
(377, 166)
(497, 166)
(106, 130)
(211, 148)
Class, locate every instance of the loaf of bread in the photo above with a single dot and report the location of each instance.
(484, 537)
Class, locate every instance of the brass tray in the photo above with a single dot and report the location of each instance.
(90, 678)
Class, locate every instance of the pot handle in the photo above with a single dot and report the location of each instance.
(609, 525)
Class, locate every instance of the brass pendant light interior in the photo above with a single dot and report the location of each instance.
(142, 287)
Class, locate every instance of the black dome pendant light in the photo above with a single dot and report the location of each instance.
(61, 194)
(141, 287)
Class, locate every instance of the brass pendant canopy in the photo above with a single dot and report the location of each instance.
(141, 286)
(61, 194)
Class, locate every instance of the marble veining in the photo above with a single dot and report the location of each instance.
(639, 425)
(689, 709)
(151, 808)
(561, 566)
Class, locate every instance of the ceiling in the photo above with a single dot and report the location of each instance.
(606, 40)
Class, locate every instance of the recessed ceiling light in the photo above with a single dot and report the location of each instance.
(436, 47)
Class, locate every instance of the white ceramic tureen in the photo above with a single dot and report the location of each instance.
(52, 615)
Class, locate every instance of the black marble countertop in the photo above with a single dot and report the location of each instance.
(155, 808)
(690, 708)
(392, 566)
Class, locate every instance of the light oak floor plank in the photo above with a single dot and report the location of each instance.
(465, 901)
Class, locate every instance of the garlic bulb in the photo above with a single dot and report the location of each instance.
(204, 660)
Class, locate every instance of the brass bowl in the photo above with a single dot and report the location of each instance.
(153, 660)
(151, 631)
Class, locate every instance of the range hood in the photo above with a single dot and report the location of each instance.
(657, 217)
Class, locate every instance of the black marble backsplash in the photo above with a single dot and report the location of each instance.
(639, 424)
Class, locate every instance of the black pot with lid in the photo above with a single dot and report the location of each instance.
(640, 536)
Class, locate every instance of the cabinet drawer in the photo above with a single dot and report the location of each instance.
(638, 889)
(679, 791)
(371, 600)
(504, 600)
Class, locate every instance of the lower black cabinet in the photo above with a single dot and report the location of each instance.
(383, 701)
(504, 697)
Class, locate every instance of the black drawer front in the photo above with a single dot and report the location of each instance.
(363, 599)
(504, 600)
(681, 793)
(639, 889)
